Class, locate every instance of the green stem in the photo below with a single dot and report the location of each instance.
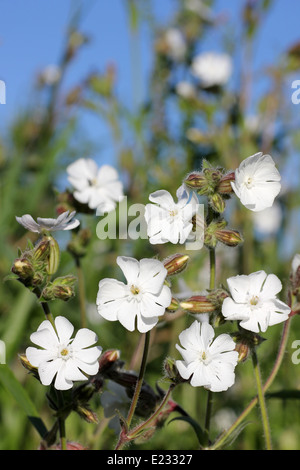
(212, 282)
(125, 430)
(146, 423)
(140, 379)
(81, 293)
(61, 420)
(262, 402)
(224, 436)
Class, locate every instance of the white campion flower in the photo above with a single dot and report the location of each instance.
(141, 301)
(176, 44)
(62, 222)
(257, 182)
(100, 188)
(67, 359)
(212, 69)
(207, 362)
(168, 221)
(254, 301)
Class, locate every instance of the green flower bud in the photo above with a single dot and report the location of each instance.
(48, 251)
(217, 202)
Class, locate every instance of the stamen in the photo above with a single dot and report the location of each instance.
(134, 290)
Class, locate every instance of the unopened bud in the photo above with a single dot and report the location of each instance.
(196, 180)
(229, 237)
(61, 288)
(25, 363)
(88, 415)
(224, 186)
(245, 342)
(243, 350)
(48, 250)
(107, 359)
(175, 264)
(171, 371)
(174, 305)
(217, 202)
(23, 268)
(198, 304)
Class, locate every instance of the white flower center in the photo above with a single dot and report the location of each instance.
(173, 212)
(64, 352)
(249, 182)
(134, 290)
(204, 357)
(93, 182)
(253, 301)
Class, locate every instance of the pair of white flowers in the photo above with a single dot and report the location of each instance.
(256, 184)
(211, 363)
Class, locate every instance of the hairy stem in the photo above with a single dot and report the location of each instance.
(123, 438)
(261, 400)
(225, 435)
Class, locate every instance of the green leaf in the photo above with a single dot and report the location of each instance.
(222, 443)
(12, 386)
(197, 428)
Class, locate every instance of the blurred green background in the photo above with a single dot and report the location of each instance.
(133, 116)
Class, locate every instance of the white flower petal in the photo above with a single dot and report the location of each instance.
(64, 329)
(130, 268)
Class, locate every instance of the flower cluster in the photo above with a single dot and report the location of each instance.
(144, 296)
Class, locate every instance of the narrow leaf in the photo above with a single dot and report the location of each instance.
(197, 428)
(12, 386)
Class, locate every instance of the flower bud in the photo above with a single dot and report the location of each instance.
(174, 305)
(198, 304)
(229, 237)
(48, 250)
(217, 202)
(171, 371)
(25, 363)
(196, 180)
(175, 264)
(243, 350)
(245, 342)
(88, 415)
(224, 186)
(23, 268)
(107, 359)
(61, 288)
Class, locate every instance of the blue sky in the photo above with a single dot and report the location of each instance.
(32, 33)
